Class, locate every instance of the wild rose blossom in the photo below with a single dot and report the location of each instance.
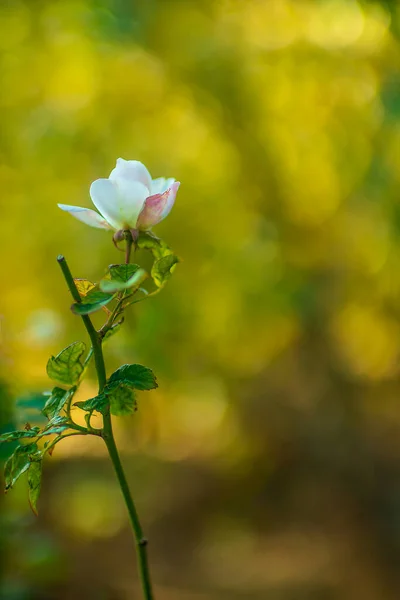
(128, 199)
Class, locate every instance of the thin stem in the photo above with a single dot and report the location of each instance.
(84, 430)
(93, 334)
(107, 432)
(141, 541)
(61, 437)
(128, 248)
(111, 319)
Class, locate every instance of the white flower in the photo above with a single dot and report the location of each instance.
(128, 199)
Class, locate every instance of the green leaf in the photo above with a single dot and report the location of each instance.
(57, 401)
(12, 436)
(56, 430)
(123, 272)
(164, 258)
(114, 329)
(163, 268)
(118, 276)
(115, 285)
(18, 463)
(93, 301)
(122, 400)
(98, 404)
(135, 376)
(148, 241)
(56, 426)
(66, 368)
(84, 286)
(34, 483)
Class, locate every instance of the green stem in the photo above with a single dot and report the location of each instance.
(111, 319)
(129, 241)
(93, 334)
(141, 541)
(59, 438)
(84, 430)
(108, 435)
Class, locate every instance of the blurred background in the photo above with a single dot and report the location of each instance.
(267, 464)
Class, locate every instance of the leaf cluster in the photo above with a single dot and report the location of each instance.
(122, 282)
(121, 286)
(119, 392)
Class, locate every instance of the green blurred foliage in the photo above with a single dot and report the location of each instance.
(267, 463)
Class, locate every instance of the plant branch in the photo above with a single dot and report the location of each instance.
(93, 334)
(84, 430)
(111, 318)
(107, 432)
(61, 437)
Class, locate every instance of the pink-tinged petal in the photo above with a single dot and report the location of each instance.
(161, 184)
(157, 207)
(172, 191)
(152, 211)
(105, 197)
(132, 170)
(86, 215)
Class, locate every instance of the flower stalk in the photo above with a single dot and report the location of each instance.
(128, 249)
(107, 432)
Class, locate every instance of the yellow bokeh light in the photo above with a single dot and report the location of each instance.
(368, 342)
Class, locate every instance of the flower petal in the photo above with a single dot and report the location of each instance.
(172, 191)
(131, 199)
(105, 197)
(86, 215)
(161, 184)
(157, 207)
(132, 170)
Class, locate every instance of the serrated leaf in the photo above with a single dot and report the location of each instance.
(56, 426)
(66, 367)
(12, 436)
(122, 400)
(57, 401)
(135, 376)
(157, 246)
(98, 404)
(56, 430)
(34, 483)
(165, 260)
(163, 268)
(123, 277)
(84, 286)
(57, 420)
(122, 272)
(93, 301)
(18, 463)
